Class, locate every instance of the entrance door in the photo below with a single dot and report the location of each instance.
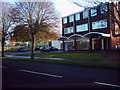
(66, 46)
(96, 44)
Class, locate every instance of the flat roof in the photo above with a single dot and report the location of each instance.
(84, 10)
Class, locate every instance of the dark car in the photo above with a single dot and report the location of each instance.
(37, 48)
(51, 48)
(22, 50)
(44, 49)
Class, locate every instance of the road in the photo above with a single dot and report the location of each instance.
(25, 74)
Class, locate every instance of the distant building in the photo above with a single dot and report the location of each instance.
(56, 44)
(91, 29)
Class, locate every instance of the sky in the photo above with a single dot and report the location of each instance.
(65, 7)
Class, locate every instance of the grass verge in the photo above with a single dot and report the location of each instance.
(73, 55)
(86, 63)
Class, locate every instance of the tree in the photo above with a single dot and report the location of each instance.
(21, 33)
(36, 15)
(115, 14)
(7, 16)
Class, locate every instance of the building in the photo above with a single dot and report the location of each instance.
(92, 29)
(56, 44)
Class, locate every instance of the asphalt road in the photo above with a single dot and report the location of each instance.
(25, 74)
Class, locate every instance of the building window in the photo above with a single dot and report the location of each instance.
(77, 16)
(65, 20)
(103, 8)
(99, 24)
(85, 14)
(71, 18)
(81, 28)
(68, 30)
(93, 12)
(65, 30)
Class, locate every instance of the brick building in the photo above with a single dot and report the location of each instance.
(92, 29)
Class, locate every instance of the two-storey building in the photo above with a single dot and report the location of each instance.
(91, 29)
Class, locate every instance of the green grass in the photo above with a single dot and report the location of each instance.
(85, 63)
(15, 48)
(73, 55)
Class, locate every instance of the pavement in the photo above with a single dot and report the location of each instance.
(25, 74)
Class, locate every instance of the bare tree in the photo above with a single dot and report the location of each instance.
(91, 3)
(35, 15)
(6, 22)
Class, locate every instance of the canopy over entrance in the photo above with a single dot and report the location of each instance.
(91, 33)
(62, 38)
(75, 36)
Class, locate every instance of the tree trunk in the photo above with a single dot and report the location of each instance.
(33, 48)
(3, 44)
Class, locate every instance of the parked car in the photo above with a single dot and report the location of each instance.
(37, 48)
(51, 48)
(22, 50)
(44, 49)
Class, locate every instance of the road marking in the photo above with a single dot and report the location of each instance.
(46, 74)
(3, 67)
(107, 84)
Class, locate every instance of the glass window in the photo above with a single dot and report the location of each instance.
(68, 30)
(65, 20)
(65, 30)
(71, 18)
(103, 8)
(71, 29)
(85, 14)
(99, 24)
(77, 16)
(93, 12)
(82, 27)
(78, 28)
(103, 23)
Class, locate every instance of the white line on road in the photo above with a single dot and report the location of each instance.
(46, 74)
(106, 84)
(3, 67)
